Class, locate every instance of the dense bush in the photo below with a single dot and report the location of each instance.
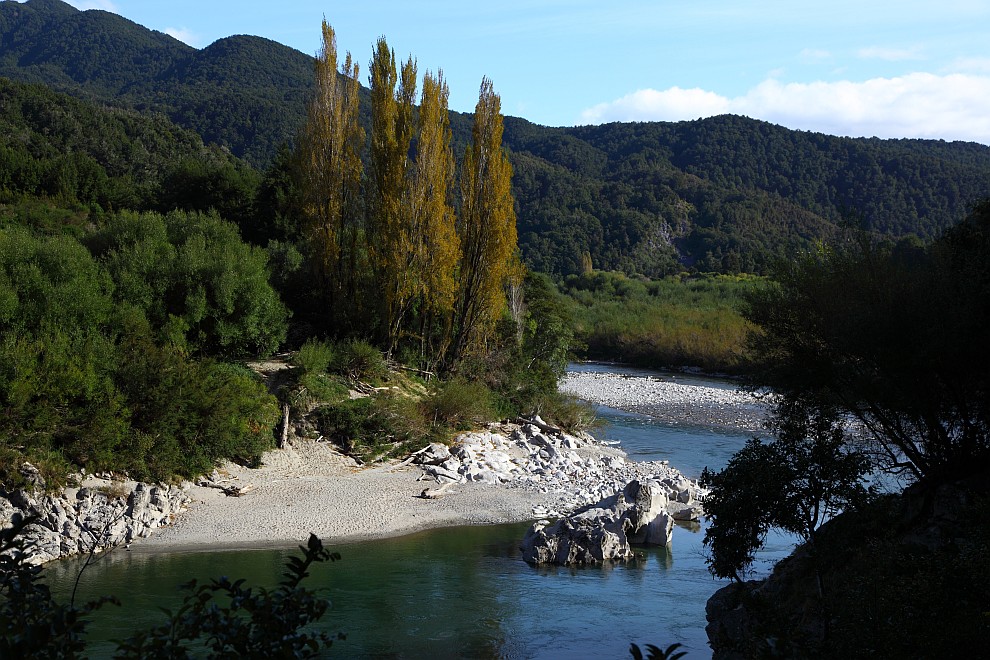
(371, 428)
(459, 405)
(188, 415)
(198, 283)
(358, 360)
(313, 357)
(87, 378)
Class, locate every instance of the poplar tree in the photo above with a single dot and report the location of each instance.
(330, 154)
(487, 228)
(434, 222)
(391, 241)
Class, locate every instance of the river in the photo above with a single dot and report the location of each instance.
(463, 592)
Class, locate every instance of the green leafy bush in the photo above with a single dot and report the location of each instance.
(316, 388)
(372, 428)
(191, 272)
(567, 412)
(359, 360)
(313, 357)
(459, 405)
(189, 415)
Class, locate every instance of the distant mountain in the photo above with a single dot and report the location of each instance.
(246, 93)
(726, 193)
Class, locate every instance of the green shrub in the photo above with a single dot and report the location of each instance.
(187, 416)
(315, 388)
(353, 425)
(359, 360)
(194, 267)
(372, 428)
(459, 404)
(313, 357)
(567, 412)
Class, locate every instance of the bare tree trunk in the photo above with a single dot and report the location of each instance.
(285, 426)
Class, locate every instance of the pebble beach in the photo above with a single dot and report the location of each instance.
(310, 487)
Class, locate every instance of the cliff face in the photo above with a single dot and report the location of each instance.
(905, 577)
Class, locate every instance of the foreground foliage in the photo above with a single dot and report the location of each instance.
(877, 357)
(221, 619)
(795, 483)
(231, 620)
(894, 336)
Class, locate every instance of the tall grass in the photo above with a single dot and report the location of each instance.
(680, 321)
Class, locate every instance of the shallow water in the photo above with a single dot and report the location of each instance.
(688, 448)
(463, 592)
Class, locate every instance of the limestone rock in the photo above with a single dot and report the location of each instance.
(604, 531)
(74, 522)
(434, 454)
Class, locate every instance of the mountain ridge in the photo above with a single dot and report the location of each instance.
(725, 193)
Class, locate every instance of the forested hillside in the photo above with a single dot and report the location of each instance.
(726, 194)
(76, 152)
(246, 93)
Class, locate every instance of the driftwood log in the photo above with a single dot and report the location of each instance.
(546, 428)
(435, 493)
(229, 489)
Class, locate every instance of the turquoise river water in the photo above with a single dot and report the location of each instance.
(462, 592)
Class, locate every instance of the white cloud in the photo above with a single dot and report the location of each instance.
(974, 64)
(106, 5)
(890, 54)
(919, 105)
(184, 35)
(650, 105)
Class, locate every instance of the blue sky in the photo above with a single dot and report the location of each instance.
(908, 68)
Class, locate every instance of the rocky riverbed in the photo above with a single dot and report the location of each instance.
(668, 401)
(602, 502)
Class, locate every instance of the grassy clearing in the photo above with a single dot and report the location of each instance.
(679, 321)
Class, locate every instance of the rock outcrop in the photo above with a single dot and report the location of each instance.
(640, 514)
(903, 576)
(573, 471)
(80, 520)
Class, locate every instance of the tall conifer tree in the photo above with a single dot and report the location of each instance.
(438, 249)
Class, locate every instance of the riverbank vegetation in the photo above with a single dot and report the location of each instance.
(878, 356)
(686, 320)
